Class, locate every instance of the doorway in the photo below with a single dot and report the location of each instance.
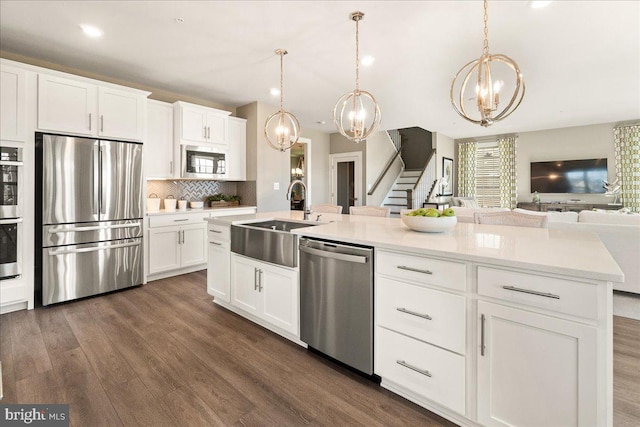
(300, 169)
(346, 180)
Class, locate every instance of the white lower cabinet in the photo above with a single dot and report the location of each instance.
(218, 270)
(535, 370)
(175, 247)
(424, 369)
(266, 291)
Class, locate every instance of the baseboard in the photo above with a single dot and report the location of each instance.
(172, 273)
(14, 306)
(437, 409)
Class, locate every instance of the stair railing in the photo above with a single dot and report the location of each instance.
(389, 164)
(421, 189)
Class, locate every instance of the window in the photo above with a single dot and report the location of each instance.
(488, 174)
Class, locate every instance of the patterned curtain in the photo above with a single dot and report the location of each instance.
(467, 169)
(626, 141)
(508, 191)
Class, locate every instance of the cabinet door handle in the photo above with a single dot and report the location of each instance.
(528, 291)
(417, 270)
(89, 121)
(182, 236)
(413, 368)
(255, 279)
(413, 313)
(216, 243)
(179, 242)
(171, 167)
(101, 123)
(215, 231)
(260, 272)
(180, 220)
(482, 320)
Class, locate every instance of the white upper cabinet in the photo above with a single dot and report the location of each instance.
(13, 104)
(66, 106)
(158, 144)
(121, 114)
(237, 150)
(195, 124)
(79, 107)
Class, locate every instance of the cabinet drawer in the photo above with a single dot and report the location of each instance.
(565, 296)
(429, 371)
(218, 232)
(430, 271)
(429, 315)
(177, 219)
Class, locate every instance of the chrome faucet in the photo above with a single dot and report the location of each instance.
(306, 211)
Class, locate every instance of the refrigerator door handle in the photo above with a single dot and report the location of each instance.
(53, 252)
(92, 228)
(95, 177)
(10, 221)
(101, 197)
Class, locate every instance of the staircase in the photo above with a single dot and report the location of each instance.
(396, 199)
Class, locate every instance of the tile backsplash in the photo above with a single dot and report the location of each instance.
(196, 190)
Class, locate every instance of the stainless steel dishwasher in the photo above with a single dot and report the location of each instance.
(336, 301)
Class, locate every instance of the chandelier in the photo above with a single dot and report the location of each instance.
(357, 114)
(282, 128)
(488, 84)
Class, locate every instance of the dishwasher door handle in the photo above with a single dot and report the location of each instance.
(335, 255)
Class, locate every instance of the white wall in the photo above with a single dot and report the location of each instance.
(581, 142)
(320, 168)
(380, 149)
(445, 147)
(265, 164)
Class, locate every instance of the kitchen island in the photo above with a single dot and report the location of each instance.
(485, 325)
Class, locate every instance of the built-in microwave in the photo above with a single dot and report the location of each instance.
(203, 162)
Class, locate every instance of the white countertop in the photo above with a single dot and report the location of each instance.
(192, 210)
(573, 253)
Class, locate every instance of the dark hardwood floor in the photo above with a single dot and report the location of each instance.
(164, 355)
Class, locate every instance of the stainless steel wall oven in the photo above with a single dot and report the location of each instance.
(11, 182)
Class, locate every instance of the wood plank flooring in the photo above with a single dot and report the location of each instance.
(164, 355)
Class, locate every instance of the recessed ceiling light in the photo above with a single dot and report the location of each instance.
(179, 20)
(91, 31)
(275, 91)
(367, 60)
(537, 4)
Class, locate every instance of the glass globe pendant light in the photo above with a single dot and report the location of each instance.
(488, 84)
(282, 128)
(357, 114)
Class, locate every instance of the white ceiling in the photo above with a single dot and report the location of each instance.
(580, 59)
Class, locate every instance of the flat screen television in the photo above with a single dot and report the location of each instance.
(569, 176)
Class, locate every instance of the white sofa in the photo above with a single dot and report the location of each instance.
(618, 232)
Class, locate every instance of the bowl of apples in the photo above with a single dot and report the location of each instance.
(429, 220)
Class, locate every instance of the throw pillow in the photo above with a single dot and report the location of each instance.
(471, 203)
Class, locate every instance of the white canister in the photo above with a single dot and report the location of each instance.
(153, 203)
(170, 204)
(182, 205)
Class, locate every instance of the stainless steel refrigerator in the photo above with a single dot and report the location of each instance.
(88, 216)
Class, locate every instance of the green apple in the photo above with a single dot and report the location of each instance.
(448, 212)
(432, 213)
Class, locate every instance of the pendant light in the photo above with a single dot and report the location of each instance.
(488, 84)
(357, 114)
(282, 128)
